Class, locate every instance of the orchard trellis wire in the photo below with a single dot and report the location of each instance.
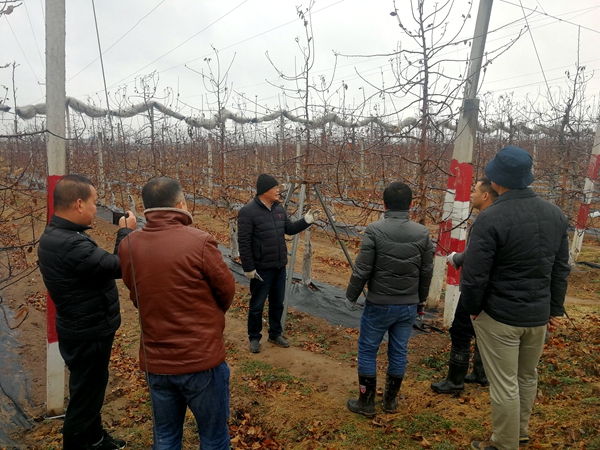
(352, 159)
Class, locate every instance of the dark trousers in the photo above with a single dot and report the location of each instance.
(272, 286)
(461, 331)
(88, 366)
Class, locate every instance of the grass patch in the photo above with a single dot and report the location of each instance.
(437, 362)
(349, 356)
(260, 376)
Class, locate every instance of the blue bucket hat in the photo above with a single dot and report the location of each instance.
(511, 168)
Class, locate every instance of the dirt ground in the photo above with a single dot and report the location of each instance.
(285, 398)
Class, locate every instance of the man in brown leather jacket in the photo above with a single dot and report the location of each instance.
(182, 289)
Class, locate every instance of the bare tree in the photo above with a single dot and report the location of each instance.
(423, 80)
(216, 82)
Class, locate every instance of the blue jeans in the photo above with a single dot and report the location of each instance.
(207, 395)
(273, 286)
(397, 320)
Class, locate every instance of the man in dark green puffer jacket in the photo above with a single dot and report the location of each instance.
(396, 263)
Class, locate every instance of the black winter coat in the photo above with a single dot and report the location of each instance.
(261, 235)
(395, 261)
(80, 278)
(517, 261)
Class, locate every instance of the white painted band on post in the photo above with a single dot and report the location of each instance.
(450, 303)
(460, 214)
(55, 380)
(435, 289)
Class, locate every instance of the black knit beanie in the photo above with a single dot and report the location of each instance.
(264, 183)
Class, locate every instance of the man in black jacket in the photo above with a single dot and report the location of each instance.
(262, 226)
(80, 278)
(396, 263)
(514, 285)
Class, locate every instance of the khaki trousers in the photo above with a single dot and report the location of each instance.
(510, 357)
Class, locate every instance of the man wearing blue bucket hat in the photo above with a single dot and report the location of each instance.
(514, 286)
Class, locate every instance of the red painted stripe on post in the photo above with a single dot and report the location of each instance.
(50, 185)
(457, 245)
(51, 334)
(453, 275)
(444, 236)
(593, 166)
(582, 218)
(464, 174)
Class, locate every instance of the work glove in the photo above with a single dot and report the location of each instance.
(421, 309)
(450, 259)
(312, 215)
(250, 275)
(350, 305)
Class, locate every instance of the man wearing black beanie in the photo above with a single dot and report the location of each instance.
(262, 226)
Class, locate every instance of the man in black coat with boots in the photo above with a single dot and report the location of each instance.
(262, 226)
(461, 331)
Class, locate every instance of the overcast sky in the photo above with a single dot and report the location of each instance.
(174, 37)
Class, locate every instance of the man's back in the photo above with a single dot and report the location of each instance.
(396, 257)
(182, 290)
(517, 260)
(80, 278)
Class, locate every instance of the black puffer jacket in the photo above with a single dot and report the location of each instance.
(80, 278)
(261, 235)
(395, 261)
(517, 262)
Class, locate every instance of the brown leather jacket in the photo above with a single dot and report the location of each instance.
(182, 290)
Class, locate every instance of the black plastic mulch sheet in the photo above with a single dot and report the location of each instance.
(14, 383)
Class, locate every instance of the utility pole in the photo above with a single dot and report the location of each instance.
(56, 151)
(453, 229)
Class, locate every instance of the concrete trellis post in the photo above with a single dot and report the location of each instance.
(210, 171)
(443, 242)
(56, 150)
(233, 238)
(298, 164)
(362, 163)
(281, 139)
(463, 159)
(101, 179)
(452, 232)
(588, 193)
(307, 259)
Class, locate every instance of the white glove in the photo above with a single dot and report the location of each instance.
(312, 215)
(350, 305)
(450, 259)
(250, 275)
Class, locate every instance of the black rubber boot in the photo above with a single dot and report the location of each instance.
(458, 366)
(390, 395)
(478, 373)
(365, 404)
